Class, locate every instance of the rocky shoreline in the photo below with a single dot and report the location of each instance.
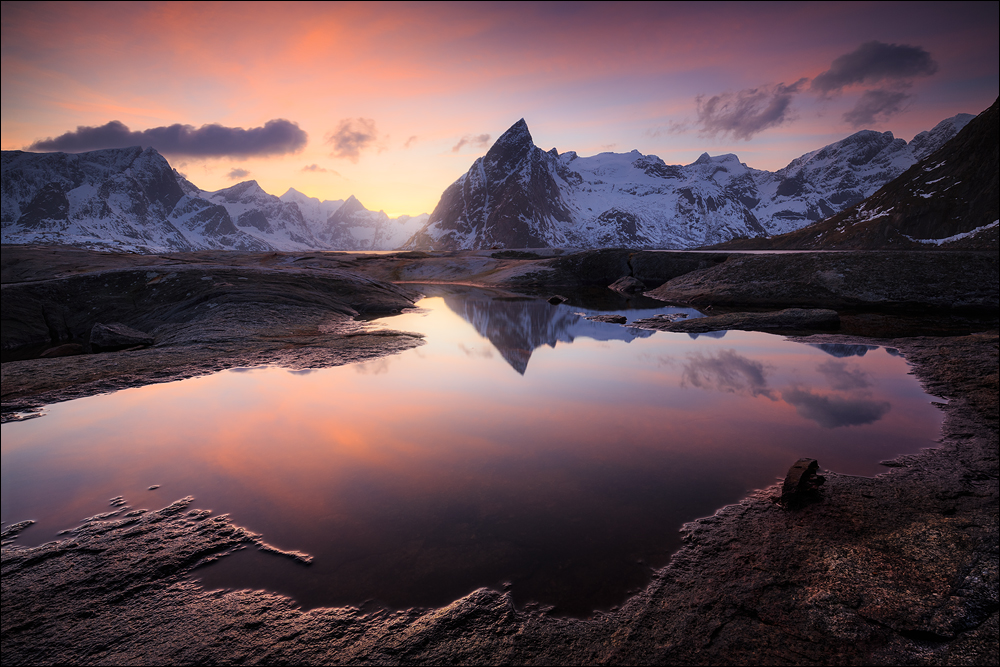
(900, 568)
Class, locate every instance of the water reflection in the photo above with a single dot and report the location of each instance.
(518, 326)
(731, 372)
(841, 350)
(416, 478)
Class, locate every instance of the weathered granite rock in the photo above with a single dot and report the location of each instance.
(628, 285)
(117, 336)
(940, 280)
(801, 484)
(789, 319)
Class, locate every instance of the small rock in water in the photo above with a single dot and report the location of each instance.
(556, 299)
(801, 484)
(612, 319)
(154, 487)
(117, 501)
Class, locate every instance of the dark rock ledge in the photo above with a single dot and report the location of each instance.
(897, 569)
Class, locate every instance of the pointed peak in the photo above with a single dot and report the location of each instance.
(517, 134)
(351, 204)
(704, 158)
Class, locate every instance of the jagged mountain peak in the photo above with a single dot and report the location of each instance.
(520, 196)
(512, 146)
(246, 192)
(350, 205)
(291, 194)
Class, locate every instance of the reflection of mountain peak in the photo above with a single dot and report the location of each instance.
(517, 327)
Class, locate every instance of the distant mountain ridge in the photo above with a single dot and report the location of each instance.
(515, 196)
(518, 195)
(950, 198)
(130, 199)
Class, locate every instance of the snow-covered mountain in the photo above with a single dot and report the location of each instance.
(519, 196)
(351, 226)
(131, 199)
(949, 198)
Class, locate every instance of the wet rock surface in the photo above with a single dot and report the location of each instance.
(900, 568)
(204, 311)
(628, 285)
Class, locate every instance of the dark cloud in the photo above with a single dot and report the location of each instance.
(875, 105)
(351, 137)
(843, 378)
(410, 141)
(747, 112)
(478, 140)
(727, 371)
(314, 167)
(834, 411)
(237, 174)
(275, 138)
(873, 62)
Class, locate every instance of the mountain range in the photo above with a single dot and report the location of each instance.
(515, 196)
(519, 196)
(131, 199)
(948, 199)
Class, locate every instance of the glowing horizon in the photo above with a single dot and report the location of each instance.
(393, 102)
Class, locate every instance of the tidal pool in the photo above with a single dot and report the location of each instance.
(523, 447)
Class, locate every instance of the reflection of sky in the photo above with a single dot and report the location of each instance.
(416, 478)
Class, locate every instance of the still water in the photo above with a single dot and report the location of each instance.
(522, 447)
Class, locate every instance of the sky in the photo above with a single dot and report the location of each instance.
(393, 102)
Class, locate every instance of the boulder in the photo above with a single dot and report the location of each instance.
(801, 484)
(117, 336)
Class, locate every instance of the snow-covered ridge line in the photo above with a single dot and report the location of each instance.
(132, 200)
(636, 200)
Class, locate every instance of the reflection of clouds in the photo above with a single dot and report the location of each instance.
(727, 371)
(731, 372)
(375, 367)
(476, 352)
(842, 378)
(834, 411)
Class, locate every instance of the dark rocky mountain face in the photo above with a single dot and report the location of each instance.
(507, 199)
(519, 196)
(950, 198)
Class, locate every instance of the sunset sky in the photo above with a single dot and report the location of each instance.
(393, 102)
